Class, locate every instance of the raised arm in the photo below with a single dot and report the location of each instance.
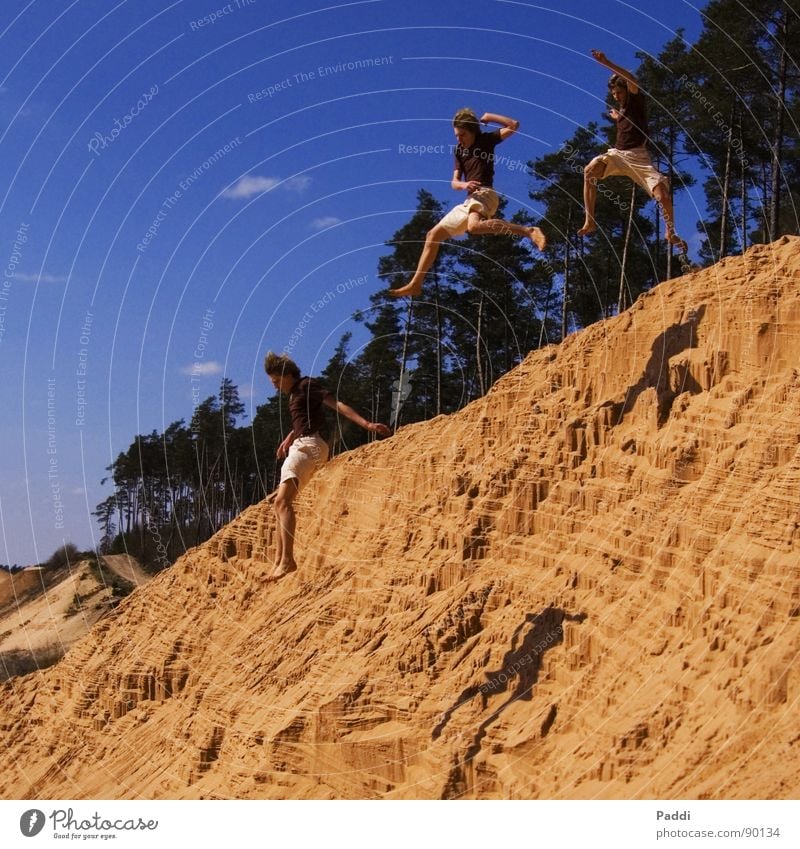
(508, 126)
(349, 413)
(626, 75)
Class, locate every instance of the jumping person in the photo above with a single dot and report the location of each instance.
(629, 157)
(305, 448)
(474, 162)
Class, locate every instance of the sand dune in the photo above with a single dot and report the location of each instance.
(585, 584)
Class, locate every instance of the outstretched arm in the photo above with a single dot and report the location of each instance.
(633, 86)
(349, 413)
(508, 126)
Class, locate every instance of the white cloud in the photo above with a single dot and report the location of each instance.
(297, 184)
(41, 278)
(325, 221)
(252, 184)
(248, 186)
(205, 368)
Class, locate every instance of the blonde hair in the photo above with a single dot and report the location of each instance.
(281, 364)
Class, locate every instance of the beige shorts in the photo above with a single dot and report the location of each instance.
(634, 164)
(306, 455)
(483, 201)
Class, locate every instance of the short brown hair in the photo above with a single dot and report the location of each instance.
(280, 364)
(617, 81)
(466, 119)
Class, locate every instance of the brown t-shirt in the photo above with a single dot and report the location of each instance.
(477, 162)
(306, 408)
(632, 124)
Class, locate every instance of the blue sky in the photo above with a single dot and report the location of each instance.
(183, 183)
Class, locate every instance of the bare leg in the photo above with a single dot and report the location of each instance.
(284, 509)
(664, 201)
(436, 235)
(498, 227)
(591, 174)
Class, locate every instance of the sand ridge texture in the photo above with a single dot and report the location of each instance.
(584, 585)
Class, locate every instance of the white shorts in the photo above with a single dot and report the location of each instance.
(634, 164)
(483, 201)
(306, 455)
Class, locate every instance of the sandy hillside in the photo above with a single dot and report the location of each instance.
(127, 567)
(585, 584)
(43, 612)
(58, 614)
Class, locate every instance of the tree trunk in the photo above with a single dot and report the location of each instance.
(478, 360)
(672, 142)
(743, 238)
(621, 296)
(726, 182)
(438, 350)
(566, 277)
(782, 39)
(409, 317)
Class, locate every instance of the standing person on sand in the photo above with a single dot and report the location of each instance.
(629, 157)
(474, 162)
(305, 448)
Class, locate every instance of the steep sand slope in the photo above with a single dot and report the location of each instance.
(585, 584)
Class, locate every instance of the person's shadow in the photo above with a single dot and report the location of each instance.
(676, 338)
(521, 663)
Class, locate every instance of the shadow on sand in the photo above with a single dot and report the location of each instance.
(520, 669)
(674, 340)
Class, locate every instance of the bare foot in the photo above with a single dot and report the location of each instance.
(406, 290)
(538, 238)
(281, 570)
(589, 226)
(680, 244)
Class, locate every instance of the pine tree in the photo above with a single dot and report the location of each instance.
(668, 113)
(423, 323)
(500, 305)
(342, 377)
(589, 269)
(725, 87)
